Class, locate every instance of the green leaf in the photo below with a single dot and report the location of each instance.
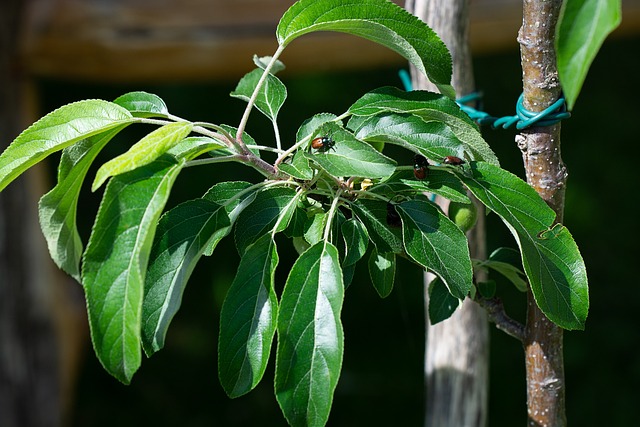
(314, 227)
(432, 139)
(233, 131)
(582, 28)
(143, 104)
(380, 21)
(487, 289)
(440, 182)
(58, 208)
(143, 152)
(298, 168)
(194, 146)
(550, 256)
(115, 262)
(441, 303)
(310, 126)
(271, 208)
(182, 236)
(235, 196)
(58, 130)
(352, 157)
(248, 320)
(429, 107)
(356, 240)
(271, 95)
(310, 337)
(263, 61)
(373, 214)
(507, 262)
(382, 270)
(436, 243)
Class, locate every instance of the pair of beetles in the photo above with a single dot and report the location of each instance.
(420, 163)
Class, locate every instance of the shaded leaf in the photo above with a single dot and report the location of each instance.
(550, 256)
(310, 337)
(115, 262)
(235, 196)
(248, 320)
(356, 240)
(373, 214)
(441, 303)
(436, 243)
(58, 208)
(298, 167)
(382, 270)
(271, 208)
(182, 236)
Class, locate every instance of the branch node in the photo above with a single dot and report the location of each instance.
(497, 314)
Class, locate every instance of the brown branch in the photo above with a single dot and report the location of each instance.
(498, 315)
(546, 173)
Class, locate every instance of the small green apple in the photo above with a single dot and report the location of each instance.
(464, 215)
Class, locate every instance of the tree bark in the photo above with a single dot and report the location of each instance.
(457, 350)
(30, 380)
(546, 173)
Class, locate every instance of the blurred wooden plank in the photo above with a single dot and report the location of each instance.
(165, 40)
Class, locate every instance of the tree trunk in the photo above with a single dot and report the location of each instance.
(32, 364)
(457, 350)
(546, 173)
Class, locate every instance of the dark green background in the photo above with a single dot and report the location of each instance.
(382, 380)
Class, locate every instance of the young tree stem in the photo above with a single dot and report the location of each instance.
(540, 147)
(457, 350)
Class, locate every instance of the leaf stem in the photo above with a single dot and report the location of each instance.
(332, 211)
(254, 95)
(276, 132)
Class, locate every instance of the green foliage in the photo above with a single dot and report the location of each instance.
(550, 257)
(340, 204)
(379, 21)
(581, 29)
(310, 337)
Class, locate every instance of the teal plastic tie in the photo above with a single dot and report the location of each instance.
(523, 118)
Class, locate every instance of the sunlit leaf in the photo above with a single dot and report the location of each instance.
(271, 95)
(143, 152)
(143, 104)
(380, 21)
(582, 28)
(428, 107)
(58, 130)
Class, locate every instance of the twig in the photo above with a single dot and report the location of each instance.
(497, 314)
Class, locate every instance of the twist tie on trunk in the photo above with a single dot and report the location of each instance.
(523, 118)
